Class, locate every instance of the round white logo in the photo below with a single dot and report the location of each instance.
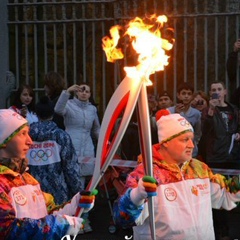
(19, 198)
(170, 194)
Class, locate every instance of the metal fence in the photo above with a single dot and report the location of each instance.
(65, 36)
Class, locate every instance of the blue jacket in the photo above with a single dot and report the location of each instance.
(53, 161)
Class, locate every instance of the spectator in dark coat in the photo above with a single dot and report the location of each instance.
(232, 68)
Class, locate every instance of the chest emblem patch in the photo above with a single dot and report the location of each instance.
(19, 198)
(170, 194)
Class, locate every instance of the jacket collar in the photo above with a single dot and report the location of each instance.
(17, 165)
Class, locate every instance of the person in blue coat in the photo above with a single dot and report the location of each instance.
(52, 157)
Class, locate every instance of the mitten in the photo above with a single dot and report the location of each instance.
(147, 187)
(87, 200)
(70, 208)
(75, 225)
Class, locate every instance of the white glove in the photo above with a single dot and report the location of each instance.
(75, 225)
(70, 208)
(147, 187)
(138, 194)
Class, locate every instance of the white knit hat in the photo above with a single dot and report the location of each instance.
(171, 126)
(10, 124)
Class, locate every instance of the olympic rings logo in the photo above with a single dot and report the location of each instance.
(184, 123)
(40, 155)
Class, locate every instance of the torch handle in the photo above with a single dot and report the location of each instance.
(124, 99)
(146, 148)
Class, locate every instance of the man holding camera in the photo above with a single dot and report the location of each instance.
(220, 129)
(221, 139)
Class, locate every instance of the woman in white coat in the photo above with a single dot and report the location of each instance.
(80, 118)
(81, 123)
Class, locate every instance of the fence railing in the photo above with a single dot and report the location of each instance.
(66, 36)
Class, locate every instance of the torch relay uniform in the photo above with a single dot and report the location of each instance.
(59, 174)
(25, 211)
(186, 194)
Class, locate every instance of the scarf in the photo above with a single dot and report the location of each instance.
(15, 164)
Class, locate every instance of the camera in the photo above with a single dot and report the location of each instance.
(200, 102)
(82, 89)
(215, 96)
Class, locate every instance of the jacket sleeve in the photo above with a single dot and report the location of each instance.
(95, 127)
(125, 212)
(70, 165)
(49, 227)
(225, 193)
(232, 62)
(60, 107)
(207, 125)
(198, 130)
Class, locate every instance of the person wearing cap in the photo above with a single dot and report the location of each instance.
(25, 211)
(52, 157)
(184, 189)
(164, 100)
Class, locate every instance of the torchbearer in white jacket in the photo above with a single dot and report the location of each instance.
(186, 188)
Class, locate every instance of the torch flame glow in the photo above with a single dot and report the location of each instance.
(150, 52)
(146, 41)
(109, 45)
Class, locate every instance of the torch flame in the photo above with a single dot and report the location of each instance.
(109, 45)
(146, 41)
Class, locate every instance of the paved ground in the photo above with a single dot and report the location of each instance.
(100, 218)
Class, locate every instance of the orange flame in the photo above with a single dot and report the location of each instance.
(109, 45)
(146, 41)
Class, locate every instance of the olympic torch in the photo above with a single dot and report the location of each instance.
(150, 48)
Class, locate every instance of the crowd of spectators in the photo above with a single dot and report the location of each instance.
(50, 136)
